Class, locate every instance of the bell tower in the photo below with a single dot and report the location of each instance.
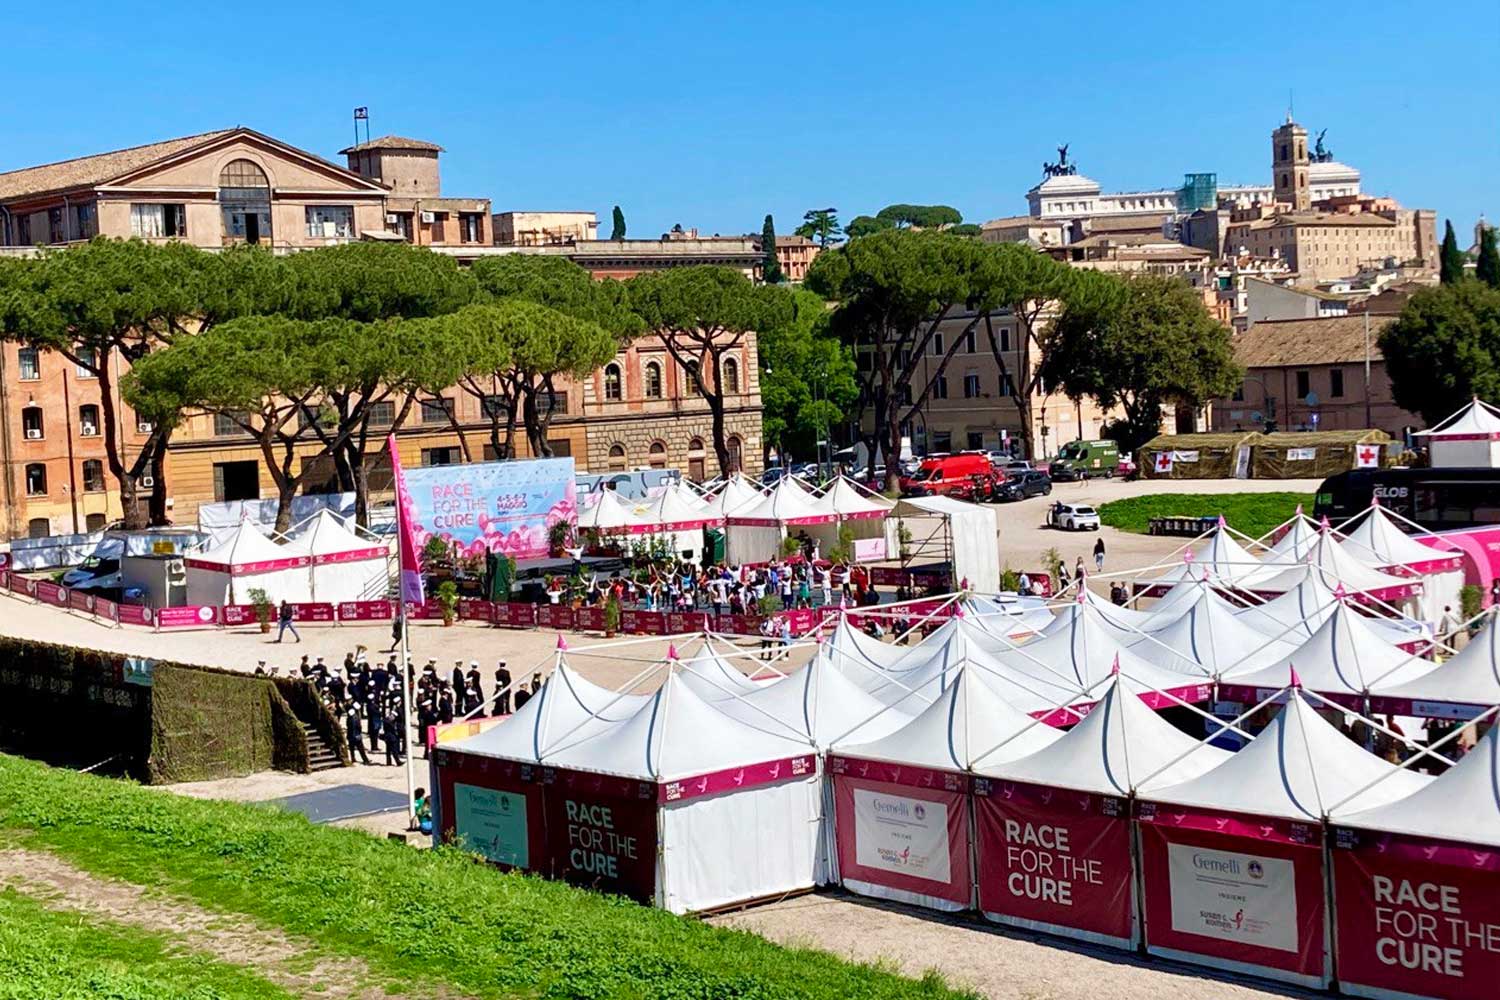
(1289, 166)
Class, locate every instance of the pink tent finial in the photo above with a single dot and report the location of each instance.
(1339, 593)
(562, 644)
(1187, 556)
(1114, 671)
(960, 612)
(1374, 501)
(1223, 523)
(1083, 596)
(1296, 681)
(671, 650)
(1299, 511)
(1325, 524)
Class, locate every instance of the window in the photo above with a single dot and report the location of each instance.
(471, 227)
(403, 225)
(1239, 393)
(1304, 384)
(330, 221)
(690, 379)
(30, 364)
(1005, 338)
(382, 414)
(437, 411)
(156, 221)
(969, 342)
(612, 388)
(942, 440)
(88, 420)
(736, 453)
(36, 480)
(653, 380)
(57, 229)
(32, 426)
(617, 458)
(245, 200)
(1336, 382)
(93, 476)
(94, 522)
(23, 232)
(38, 527)
(940, 387)
(658, 455)
(442, 456)
(554, 402)
(937, 344)
(228, 424)
(731, 370)
(85, 222)
(88, 360)
(971, 385)
(143, 426)
(493, 406)
(1007, 387)
(440, 227)
(976, 440)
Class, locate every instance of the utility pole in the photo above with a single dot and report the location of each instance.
(1369, 420)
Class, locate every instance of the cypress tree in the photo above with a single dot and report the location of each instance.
(1451, 259)
(771, 268)
(1488, 270)
(617, 232)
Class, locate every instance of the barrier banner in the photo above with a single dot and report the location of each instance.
(554, 616)
(740, 624)
(99, 607)
(187, 616)
(51, 593)
(802, 620)
(484, 507)
(514, 614)
(602, 832)
(904, 837)
(643, 622)
(5, 578)
(366, 611)
(24, 585)
(81, 600)
(1415, 917)
(424, 611)
(241, 614)
(1056, 860)
(589, 618)
(134, 614)
(312, 611)
(688, 621)
(474, 609)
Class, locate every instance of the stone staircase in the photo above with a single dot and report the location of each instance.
(320, 756)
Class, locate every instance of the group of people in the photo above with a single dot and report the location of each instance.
(460, 694)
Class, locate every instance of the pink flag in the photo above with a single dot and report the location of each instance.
(672, 651)
(562, 644)
(406, 533)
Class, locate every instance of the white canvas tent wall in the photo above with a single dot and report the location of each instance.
(1469, 438)
(755, 530)
(681, 515)
(1378, 540)
(245, 560)
(344, 566)
(972, 539)
(614, 515)
(737, 844)
(1462, 687)
(862, 514)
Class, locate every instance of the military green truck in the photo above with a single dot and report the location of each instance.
(1085, 460)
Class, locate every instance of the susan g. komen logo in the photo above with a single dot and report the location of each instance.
(1256, 870)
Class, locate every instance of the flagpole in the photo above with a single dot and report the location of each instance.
(408, 567)
(403, 671)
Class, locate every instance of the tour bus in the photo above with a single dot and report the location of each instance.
(1437, 499)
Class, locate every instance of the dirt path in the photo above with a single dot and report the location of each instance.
(998, 964)
(296, 966)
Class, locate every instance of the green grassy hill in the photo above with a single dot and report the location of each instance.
(437, 918)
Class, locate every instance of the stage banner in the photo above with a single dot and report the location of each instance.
(904, 837)
(514, 614)
(589, 618)
(366, 611)
(187, 616)
(1238, 902)
(492, 506)
(475, 609)
(51, 593)
(135, 614)
(554, 616)
(1415, 917)
(601, 832)
(242, 614)
(311, 611)
(1056, 860)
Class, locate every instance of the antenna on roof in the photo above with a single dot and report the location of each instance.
(361, 115)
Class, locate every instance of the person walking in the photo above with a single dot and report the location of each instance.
(284, 619)
(397, 624)
(1098, 555)
(354, 730)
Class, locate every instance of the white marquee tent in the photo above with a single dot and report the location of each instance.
(242, 561)
(1469, 438)
(863, 514)
(343, 565)
(736, 492)
(1465, 684)
(1378, 540)
(1208, 635)
(755, 530)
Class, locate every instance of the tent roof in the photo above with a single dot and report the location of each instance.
(1344, 656)
(1294, 543)
(568, 709)
(1470, 677)
(326, 534)
(848, 499)
(1226, 560)
(679, 505)
(1461, 804)
(245, 544)
(713, 678)
(1335, 565)
(1125, 622)
(1311, 439)
(1084, 650)
(970, 718)
(1478, 417)
(817, 703)
(675, 734)
(1378, 540)
(1118, 744)
(1199, 442)
(736, 492)
(1208, 634)
(1007, 615)
(1300, 611)
(1297, 768)
(788, 503)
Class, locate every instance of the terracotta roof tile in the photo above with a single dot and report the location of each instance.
(1329, 341)
(86, 171)
(393, 142)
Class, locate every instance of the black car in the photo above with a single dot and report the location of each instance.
(1021, 485)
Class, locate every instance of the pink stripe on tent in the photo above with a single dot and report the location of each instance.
(737, 778)
(239, 569)
(909, 775)
(355, 555)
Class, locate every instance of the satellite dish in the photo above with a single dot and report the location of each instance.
(1312, 399)
(1257, 417)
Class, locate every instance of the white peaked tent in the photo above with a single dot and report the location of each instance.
(1126, 622)
(818, 704)
(567, 709)
(344, 566)
(614, 515)
(1066, 809)
(1378, 540)
(1300, 611)
(901, 810)
(1471, 437)
(736, 492)
(1342, 661)
(1463, 686)
(682, 515)
(1335, 567)
(1462, 805)
(242, 561)
(1007, 616)
(755, 530)
(1295, 538)
(736, 808)
(863, 514)
(865, 658)
(1244, 839)
(713, 678)
(1225, 560)
(1208, 635)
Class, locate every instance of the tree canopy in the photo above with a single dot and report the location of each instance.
(808, 381)
(1450, 257)
(1487, 267)
(1444, 348)
(904, 217)
(617, 224)
(770, 268)
(821, 225)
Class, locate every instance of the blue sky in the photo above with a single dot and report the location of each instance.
(713, 114)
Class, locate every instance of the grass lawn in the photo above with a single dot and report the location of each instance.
(434, 917)
(1252, 513)
(62, 956)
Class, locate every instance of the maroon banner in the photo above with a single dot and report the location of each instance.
(313, 611)
(240, 614)
(740, 624)
(731, 779)
(602, 832)
(466, 778)
(554, 616)
(1056, 858)
(5, 576)
(474, 609)
(1416, 917)
(366, 611)
(589, 618)
(24, 585)
(135, 614)
(514, 614)
(425, 611)
(1255, 903)
(643, 622)
(51, 593)
(81, 600)
(903, 837)
(679, 622)
(1041, 583)
(188, 616)
(105, 608)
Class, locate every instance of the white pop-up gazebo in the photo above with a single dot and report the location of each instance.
(755, 530)
(1220, 555)
(1336, 567)
(343, 565)
(681, 515)
(1208, 635)
(737, 491)
(614, 515)
(243, 561)
(861, 513)
(1469, 438)
(1378, 540)
(1465, 685)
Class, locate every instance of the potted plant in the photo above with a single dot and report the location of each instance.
(611, 616)
(790, 546)
(557, 538)
(447, 599)
(263, 608)
(903, 537)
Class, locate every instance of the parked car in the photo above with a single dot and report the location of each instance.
(1020, 485)
(1072, 517)
(1085, 459)
(965, 475)
(1126, 469)
(1017, 465)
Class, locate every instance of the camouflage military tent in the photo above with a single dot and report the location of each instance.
(1315, 454)
(1196, 456)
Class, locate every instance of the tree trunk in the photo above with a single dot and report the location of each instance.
(158, 505)
(1020, 384)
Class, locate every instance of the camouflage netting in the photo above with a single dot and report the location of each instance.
(211, 724)
(1314, 454)
(1212, 455)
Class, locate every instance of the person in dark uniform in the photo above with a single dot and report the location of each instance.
(445, 704)
(502, 690)
(337, 687)
(396, 625)
(354, 730)
(374, 722)
(474, 683)
(395, 738)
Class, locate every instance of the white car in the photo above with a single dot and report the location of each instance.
(1073, 517)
